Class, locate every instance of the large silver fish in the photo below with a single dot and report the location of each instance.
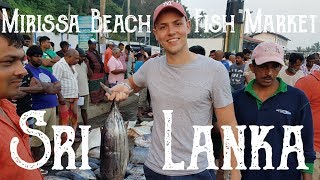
(114, 149)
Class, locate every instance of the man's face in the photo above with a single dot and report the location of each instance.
(11, 69)
(75, 59)
(232, 58)
(116, 55)
(46, 44)
(35, 60)
(121, 47)
(171, 30)
(239, 60)
(266, 73)
(93, 46)
(296, 66)
(247, 56)
(27, 43)
(212, 55)
(310, 62)
(65, 48)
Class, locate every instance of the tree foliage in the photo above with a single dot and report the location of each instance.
(309, 49)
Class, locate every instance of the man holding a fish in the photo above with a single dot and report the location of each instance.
(191, 85)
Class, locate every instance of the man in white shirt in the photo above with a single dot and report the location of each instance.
(64, 71)
(292, 73)
(83, 73)
(310, 65)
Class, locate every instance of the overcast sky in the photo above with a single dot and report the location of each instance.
(270, 7)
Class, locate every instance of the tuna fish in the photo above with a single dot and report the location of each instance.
(114, 152)
(91, 164)
(55, 178)
(86, 174)
(94, 153)
(70, 175)
(143, 141)
(94, 160)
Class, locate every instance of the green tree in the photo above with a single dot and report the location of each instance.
(316, 47)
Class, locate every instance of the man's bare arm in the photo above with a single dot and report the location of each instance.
(306, 176)
(51, 88)
(118, 71)
(226, 116)
(47, 63)
(121, 92)
(55, 59)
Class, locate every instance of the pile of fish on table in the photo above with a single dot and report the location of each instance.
(109, 151)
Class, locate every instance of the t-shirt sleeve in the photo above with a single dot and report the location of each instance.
(221, 90)
(140, 77)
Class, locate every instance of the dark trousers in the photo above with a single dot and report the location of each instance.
(207, 174)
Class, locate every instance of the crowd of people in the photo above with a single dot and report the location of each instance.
(61, 82)
(261, 87)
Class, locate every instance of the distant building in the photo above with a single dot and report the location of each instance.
(272, 37)
(250, 43)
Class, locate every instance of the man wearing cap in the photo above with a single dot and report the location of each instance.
(268, 101)
(179, 81)
(98, 75)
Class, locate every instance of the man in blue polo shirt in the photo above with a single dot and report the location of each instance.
(268, 101)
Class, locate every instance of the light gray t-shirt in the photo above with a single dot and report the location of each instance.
(191, 91)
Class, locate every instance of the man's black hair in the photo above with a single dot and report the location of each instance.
(64, 44)
(120, 44)
(52, 44)
(246, 51)
(241, 54)
(34, 50)
(43, 38)
(13, 39)
(128, 47)
(310, 57)
(227, 54)
(212, 51)
(198, 50)
(294, 57)
(26, 37)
